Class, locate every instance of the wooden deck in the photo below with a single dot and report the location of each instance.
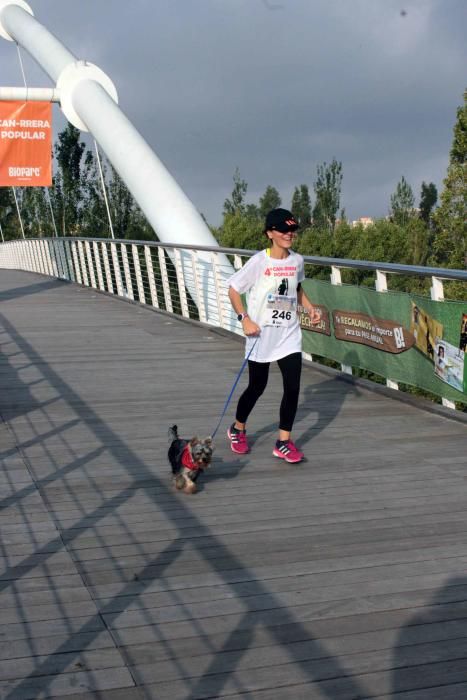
(342, 578)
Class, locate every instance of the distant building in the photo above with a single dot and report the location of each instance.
(363, 221)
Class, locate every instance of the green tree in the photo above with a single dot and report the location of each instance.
(402, 203)
(237, 203)
(67, 197)
(327, 188)
(94, 220)
(301, 206)
(8, 216)
(241, 231)
(450, 240)
(270, 200)
(428, 199)
(127, 218)
(35, 212)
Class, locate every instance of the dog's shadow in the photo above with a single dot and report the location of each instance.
(222, 470)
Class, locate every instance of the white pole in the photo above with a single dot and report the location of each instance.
(28, 94)
(1, 233)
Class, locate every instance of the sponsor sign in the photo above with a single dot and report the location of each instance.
(378, 333)
(323, 326)
(407, 338)
(25, 144)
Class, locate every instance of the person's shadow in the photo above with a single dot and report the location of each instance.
(429, 657)
(325, 399)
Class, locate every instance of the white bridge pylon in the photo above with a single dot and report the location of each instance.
(89, 99)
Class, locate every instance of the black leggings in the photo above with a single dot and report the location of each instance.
(291, 368)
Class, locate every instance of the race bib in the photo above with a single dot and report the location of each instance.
(280, 310)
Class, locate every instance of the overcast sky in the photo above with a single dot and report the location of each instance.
(276, 87)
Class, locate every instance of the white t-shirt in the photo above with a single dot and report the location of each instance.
(272, 303)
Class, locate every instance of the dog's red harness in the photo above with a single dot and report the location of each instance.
(187, 459)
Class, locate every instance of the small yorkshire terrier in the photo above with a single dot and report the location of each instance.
(188, 458)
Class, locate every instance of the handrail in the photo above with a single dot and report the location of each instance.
(344, 263)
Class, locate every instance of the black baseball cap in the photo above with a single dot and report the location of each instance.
(280, 220)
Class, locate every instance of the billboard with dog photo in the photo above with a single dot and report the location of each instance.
(449, 364)
(463, 334)
(392, 334)
(425, 330)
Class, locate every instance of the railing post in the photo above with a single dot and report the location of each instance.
(108, 274)
(139, 278)
(152, 281)
(87, 248)
(437, 289)
(27, 256)
(218, 286)
(84, 272)
(237, 262)
(336, 279)
(97, 258)
(68, 253)
(381, 285)
(17, 256)
(126, 272)
(60, 246)
(55, 254)
(335, 275)
(45, 257)
(76, 262)
(51, 267)
(181, 283)
(437, 294)
(392, 385)
(40, 256)
(199, 292)
(165, 280)
(116, 265)
(56, 262)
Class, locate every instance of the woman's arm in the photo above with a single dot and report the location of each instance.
(249, 326)
(313, 312)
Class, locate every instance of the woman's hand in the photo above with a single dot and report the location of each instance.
(250, 327)
(315, 315)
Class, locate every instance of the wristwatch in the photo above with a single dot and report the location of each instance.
(240, 317)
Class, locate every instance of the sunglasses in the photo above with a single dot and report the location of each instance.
(291, 229)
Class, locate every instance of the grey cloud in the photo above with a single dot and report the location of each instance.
(277, 86)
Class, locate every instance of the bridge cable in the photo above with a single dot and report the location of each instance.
(104, 189)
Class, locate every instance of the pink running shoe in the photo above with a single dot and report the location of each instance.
(285, 449)
(238, 440)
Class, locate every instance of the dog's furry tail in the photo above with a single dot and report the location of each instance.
(173, 433)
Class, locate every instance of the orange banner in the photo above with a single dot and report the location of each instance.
(25, 144)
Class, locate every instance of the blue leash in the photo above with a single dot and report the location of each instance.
(233, 388)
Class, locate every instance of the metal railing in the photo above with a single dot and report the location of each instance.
(189, 281)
